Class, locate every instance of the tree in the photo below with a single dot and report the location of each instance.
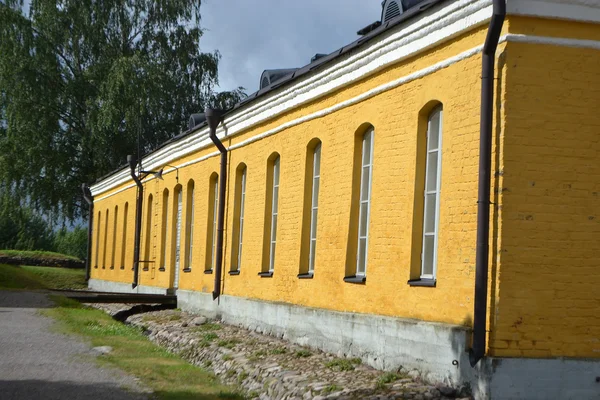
(80, 79)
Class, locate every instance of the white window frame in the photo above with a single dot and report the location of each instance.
(314, 207)
(436, 193)
(365, 185)
(215, 206)
(241, 220)
(274, 207)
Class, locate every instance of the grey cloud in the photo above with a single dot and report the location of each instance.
(254, 35)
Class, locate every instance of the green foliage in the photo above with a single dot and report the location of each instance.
(341, 364)
(20, 227)
(303, 354)
(73, 242)
(79, 81)
(388, 377)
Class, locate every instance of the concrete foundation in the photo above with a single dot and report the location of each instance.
(437, 351)
(120, 287)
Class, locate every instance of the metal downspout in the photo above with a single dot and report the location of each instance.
(477, 351)
(214, 118)
(138, 220)
(87, 195)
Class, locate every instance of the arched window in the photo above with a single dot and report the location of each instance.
(164, 230)
(124, 236)
(366, 178)
(176, 234)
(97, 240)
(114, 239)
(271, 210)
(312, 180)
(432, 185)
(189, 225)
(148, 240)
(358, 246)
(211, 230)
(238, 215)
(105, 242)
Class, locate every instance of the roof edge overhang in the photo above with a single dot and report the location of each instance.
(431, 24)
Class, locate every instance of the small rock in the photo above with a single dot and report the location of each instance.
(100, 350)
(199, 321)
(447, 391)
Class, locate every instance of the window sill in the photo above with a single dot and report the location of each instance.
(355, 279)
(268, 274)
(234, 272)
(187, 270)
(162, 269)
(95, 266)
(208, 271)
(422, 282)
(123, 267)
(103, 267)
(145, 269)
(308, 275)
(112, 267)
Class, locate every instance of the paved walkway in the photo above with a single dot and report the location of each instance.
(36, 363)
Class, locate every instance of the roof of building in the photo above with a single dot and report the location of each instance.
(317, 64)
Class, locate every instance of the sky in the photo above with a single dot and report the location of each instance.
(254, 35)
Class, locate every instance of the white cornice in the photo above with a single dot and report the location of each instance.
(577, 10)
(433, 27)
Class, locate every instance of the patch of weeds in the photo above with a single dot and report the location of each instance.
(331, 389)
(241, 377)
(252, 342)
(340, 364)
(303, 354)
(226, 357)
(174, 317)
(278, 350)
(230, 373)
(207, 327)
(388, 377)
(208, 363)
(259, 353)
(210, 336)
(231, 395)
(253, 395)
(356, 361)
(229, 343)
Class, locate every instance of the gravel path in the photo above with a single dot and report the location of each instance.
(36, 363)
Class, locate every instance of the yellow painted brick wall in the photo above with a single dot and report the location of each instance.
(548, 298)
(395, 117)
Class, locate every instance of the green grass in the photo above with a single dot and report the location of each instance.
(207, 327)
(26, 277)
(331, 389)
(388, 377)
(303, 354)
(343, 364)
(229, 343)
(37, 254)
(168, 375)
(278, 350)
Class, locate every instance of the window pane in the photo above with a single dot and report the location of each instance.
(428, 247)
(364, 186)
(432, 166)
(274, 228)
(275, 199)
(364, 219)
(313, 246)
(366, 150)
(362, 250)
(272, 258)
(313, 224)
(430, 212)
(315, 193)
(276, 172)
(317, 161)
(434, 131)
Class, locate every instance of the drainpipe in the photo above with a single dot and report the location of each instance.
(87, 195)
(214, 118)
(138, 220)
(483, 202)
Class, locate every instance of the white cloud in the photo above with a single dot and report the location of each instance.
(254, 35)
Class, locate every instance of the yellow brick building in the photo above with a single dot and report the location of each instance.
(351, 201)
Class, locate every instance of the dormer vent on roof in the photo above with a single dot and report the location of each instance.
(393, 8)
(270, 76)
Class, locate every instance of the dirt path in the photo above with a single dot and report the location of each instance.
(36, 363)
